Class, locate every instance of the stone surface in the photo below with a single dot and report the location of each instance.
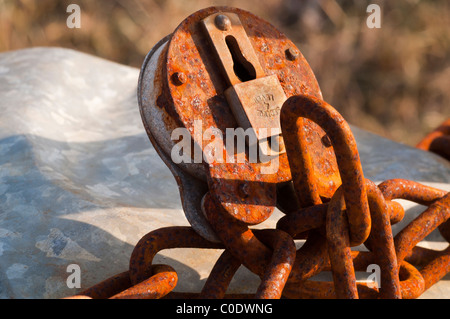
(80, 182)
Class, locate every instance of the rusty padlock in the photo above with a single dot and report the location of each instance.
(221, 76)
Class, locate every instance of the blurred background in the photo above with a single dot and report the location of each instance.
(393, 81)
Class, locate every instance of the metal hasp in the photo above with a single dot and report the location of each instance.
(255, 99)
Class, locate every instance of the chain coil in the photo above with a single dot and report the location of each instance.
(358, 213)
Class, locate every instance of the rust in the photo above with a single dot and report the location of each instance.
(311, 289)
(160, 239)
(444, 229)
(220, 277)
(382, 248)
(303, 220)
(274, 278)
(383, 243)
(420, 256)
(280, 266)
(252, 252)
(347, 157)
(319, 182)
(438, 141)
(238, 238)
(339, 249)
(163, 281)
(313, 217)
(410, 190)
(106, 288)
(308, 185)
(412, 283)
(310, 259)
(189, 50)
(421, 226)
(437, 268)
(441, 146)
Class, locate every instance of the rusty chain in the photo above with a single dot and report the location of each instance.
(407, 270)
(331, 205)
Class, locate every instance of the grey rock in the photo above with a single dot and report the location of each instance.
(80, 182)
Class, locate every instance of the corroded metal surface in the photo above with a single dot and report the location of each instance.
(438, 141)
(96, 220)
(338, 207)
(161, 282)
(201, 97)
(286, 271)
(307, 179)
(382, 246)
(158, 126)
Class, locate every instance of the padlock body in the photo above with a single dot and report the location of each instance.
(201, 96)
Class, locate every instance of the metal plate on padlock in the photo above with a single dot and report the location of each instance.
(189, 93)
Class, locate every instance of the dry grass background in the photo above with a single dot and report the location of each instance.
(394, 81)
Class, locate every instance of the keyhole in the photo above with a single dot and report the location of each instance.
(243, 69)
